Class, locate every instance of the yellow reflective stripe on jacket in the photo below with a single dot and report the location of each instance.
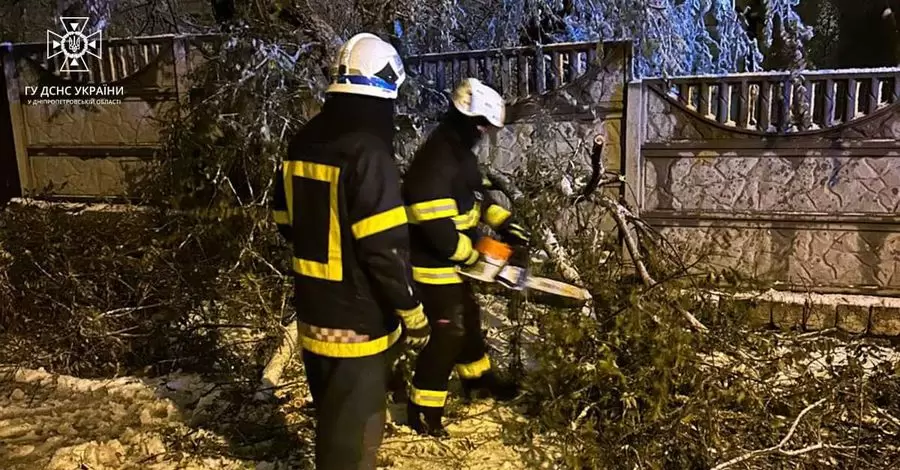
(281, 217)
(331, 271)
(345, 350)
(428, 398)
(473, 370)
(463, 248)
(469, 219)
(333, 268)
(414, 318)
(438, 276)
(379, 222)
(431, 210)
(495, 215)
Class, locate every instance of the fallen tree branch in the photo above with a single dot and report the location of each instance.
(620, 215)
(290, 335)
(556, 252)
(118, 312)
(779, 448)
(623, 216)
(558, 255)
(271, 376)
(599, 176)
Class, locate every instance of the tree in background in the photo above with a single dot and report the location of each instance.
(672, 37)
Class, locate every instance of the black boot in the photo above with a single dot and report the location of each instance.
(490, 385)
(426, 420)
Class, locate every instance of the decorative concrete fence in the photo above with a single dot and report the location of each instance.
(802, 193)
(89, 151)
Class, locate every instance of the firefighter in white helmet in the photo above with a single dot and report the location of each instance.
(337, 202)
(446, 198)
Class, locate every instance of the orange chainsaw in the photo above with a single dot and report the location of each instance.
(507, 266)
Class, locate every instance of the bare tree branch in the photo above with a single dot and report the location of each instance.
(779, 448)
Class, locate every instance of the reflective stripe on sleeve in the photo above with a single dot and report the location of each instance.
(438, 276)
(379, 222)
(432, 210)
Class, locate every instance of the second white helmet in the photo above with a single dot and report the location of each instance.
(476, 99)
(367, 65)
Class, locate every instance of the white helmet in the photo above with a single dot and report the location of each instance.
(474, 98)
(366, 65)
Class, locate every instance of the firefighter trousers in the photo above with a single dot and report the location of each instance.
(456, 340)
(350, 400)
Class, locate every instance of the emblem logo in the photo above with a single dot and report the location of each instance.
(74, 44)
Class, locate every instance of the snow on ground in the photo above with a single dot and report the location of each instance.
(182, 421)
(61, 422)
(818, 361)
(58, 422)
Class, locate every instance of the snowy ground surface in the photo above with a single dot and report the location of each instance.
(64, 423)
(181, 421)
(184, 421)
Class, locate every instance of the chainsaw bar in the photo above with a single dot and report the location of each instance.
(517, 278)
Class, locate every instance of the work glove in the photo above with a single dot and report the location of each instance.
(416, 327)
(515, 234)
(474, 256)
(472, 259)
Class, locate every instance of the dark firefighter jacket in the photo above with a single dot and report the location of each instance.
(446, 198)
(337, 201)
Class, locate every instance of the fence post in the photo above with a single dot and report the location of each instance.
(744, 105)
(574, 65)
(764, 121)
(633, 123)
(632, 191)
(522, 73)
(851, 107)
(874, 98)
(540, 71)
(829, 104)
(17, 118)
(182, 70)
(723, 105)
(505, 73)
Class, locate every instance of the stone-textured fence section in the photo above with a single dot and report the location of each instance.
(814, 208)
(792, 180)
